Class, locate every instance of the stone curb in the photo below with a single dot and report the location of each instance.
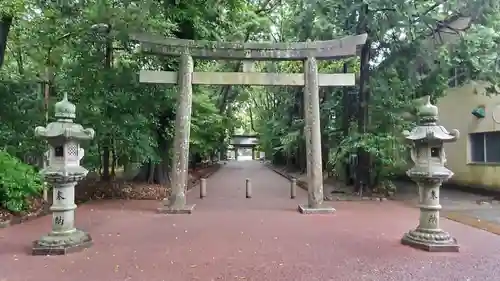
(5, 224)
(300, 183)
(485, 225)
(45, 211)
(450, 215)
(211, 173)
(303, 185)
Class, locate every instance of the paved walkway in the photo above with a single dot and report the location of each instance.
(229, 237)
(479, 210)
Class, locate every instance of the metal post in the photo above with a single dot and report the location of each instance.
(248, 188)
(203, 188)
(293, 188)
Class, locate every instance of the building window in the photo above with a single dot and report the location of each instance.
(485, 147)
(458, 76)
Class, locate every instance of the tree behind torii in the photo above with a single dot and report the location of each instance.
(5, 24)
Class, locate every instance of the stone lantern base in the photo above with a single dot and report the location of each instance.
(431, 241)
(52, 245)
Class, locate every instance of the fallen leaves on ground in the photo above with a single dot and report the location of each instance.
(4, 215)
(119, 189)
(93, 189)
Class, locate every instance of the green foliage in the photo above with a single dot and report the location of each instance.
(205, 115)
(409, 59)
(478, 53)
(388, 151)
(22, 103)
(11, 7)
(134, 121)
(18, 182)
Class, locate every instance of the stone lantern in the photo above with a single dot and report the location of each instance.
(63, 173)
(429, 172)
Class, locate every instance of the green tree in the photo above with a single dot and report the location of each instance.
(84, 50)
(411, 49)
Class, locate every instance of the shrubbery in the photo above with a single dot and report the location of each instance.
(18, 182)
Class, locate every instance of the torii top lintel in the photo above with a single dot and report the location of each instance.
(326, 50)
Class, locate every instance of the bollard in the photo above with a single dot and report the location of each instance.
(248, 188)
(203, 188)
(45, 192)
(293, 188)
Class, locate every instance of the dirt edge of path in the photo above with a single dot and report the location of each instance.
(95, 190)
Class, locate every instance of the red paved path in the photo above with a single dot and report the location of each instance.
(230, 237)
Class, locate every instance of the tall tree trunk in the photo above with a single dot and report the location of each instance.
(106, 147)
(5, 24)
(350, 109)
(114, 159)
(155, 173)
(350, 102)
(158, 172)
(106, 176)
(346, 119)
(300, 153)
(363, 167)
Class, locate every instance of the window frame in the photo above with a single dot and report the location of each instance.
(458, 76)
(484, 136)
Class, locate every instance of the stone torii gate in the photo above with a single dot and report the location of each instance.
(309, 52)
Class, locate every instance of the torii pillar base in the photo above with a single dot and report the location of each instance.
(173, 210)
(322, 209)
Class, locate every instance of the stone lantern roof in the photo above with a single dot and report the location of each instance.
(65, 109)
(64, 127)
(427, 112)
(427, 129)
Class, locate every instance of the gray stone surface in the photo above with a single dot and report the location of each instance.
(241, 78)
(51, 244)
(449, 246)
(177, 199)
(450, 199)
(173, 210)
(4, 224)
(313, 134)
(63, 172)
(322, 209)
(429, 172)
(329, 49)
(491, 214)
